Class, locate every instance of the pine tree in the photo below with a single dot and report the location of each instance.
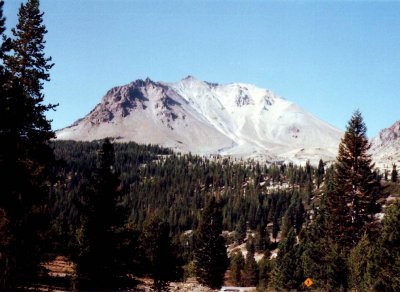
(315, 244)
(3, 39)
(236, 268)
(288, 273)
(25, 162)
(336, 278)
(354, 201)
(383, 270)
(275, 228)
(210, 256)
(158, 251)
(266, 267)
(241, 230)
(320, 173)
(394, 173)
(262, 241)
(359, 261)
(3, 74)
(321, 259)
(28, 63)
(299, 215)
(250, 272)
(96, 262)
(386, 175)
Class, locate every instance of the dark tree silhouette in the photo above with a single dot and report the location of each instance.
(320, 173)
(287, 273)
(210, 256)
(394, 174)
(96, 260)
(161, 262)
(28, 62)
(236, 268)
(26, 158)
(3, 38)
(250, 272)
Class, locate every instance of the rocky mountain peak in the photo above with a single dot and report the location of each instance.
(388, 134)
(207, 118)
(385, 147)
(391, 133)
(190, 77)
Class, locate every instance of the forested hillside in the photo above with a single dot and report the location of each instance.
(267, 206)
(155, 183)
(173, 186)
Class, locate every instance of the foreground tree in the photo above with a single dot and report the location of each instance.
(250, 272)
(211, 260)
(160, 260)
(360, 259)
(25, 155)
(28, 62)
(383, 271)
(3, 38)
(321, 258)
(288, 273)
(236, 268)
(266, 267)
(353, 204)
(96, 261)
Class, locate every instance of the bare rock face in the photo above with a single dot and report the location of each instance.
(236, 119)
(121, 101)
(388, 135)
(385, 147)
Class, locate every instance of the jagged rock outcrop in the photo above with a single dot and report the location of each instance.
(385, 147)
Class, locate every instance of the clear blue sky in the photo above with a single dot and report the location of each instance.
(330, 57)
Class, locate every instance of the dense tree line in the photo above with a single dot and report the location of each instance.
(176, 187)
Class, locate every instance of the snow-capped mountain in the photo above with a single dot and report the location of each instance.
(236, 119)
(385, 147)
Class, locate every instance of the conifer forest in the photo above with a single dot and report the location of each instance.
(121, 212)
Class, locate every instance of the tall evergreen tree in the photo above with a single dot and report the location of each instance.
(288, 273)
(158, 250)
(359, 262)
(321, 258)
(320, 173)
(96, 262)
(25, 159)
(28, 62)
(250, 272)
(211, 260)
(315, 244)
(383, 271)
(394, 173)
(236, 268)
(354, 201)
(266, 267)
(3, 38)
(262, 241)
(241, 230)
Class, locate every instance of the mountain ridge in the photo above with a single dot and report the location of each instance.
(190, 115)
